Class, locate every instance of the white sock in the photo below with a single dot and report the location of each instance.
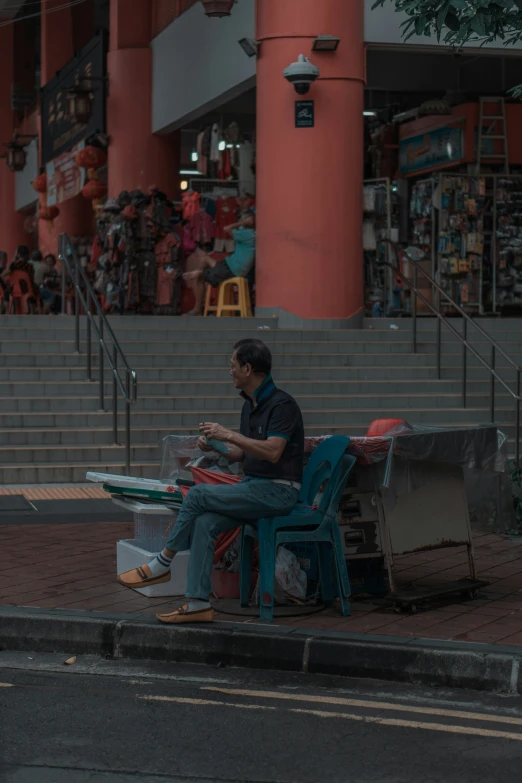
(160, 565)
(195, 605)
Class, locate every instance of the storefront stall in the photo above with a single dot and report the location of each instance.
(463, 186)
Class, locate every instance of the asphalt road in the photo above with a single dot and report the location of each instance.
(121, 722)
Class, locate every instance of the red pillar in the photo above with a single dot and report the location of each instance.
(58, 47)
(137, 157)
(12, 231)
(309, 180)
(56, 38)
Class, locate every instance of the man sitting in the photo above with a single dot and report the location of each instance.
(270, 444)
(202, 268)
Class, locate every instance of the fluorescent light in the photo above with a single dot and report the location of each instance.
(194, 157)
(326, 43)
(222, 146)
(249, 46)
(369, 113)
(190, 172)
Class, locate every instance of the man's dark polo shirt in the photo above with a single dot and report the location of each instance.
(276, 413)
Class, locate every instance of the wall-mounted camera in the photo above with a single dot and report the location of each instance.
(302, 74)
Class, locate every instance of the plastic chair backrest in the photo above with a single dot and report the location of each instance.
(337, 484)
(17, 277)
(324, 461)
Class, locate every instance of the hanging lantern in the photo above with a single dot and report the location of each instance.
(78, 105)
(218, 8)
(91, 157)
(94, 189)
(48, 213)
(40, 183)
(16, 157)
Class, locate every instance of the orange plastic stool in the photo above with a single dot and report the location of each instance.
(209, 307)
(226, 301)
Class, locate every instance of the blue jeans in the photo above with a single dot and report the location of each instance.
(210, 510)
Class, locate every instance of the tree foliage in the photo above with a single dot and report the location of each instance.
(459, 21)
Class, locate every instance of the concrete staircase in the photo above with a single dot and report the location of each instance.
(51, 428)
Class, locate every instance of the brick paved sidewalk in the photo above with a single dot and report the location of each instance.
(74, 567)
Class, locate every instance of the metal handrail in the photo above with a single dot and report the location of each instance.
(463, 337)
(85, 295)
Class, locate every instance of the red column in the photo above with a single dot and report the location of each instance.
(11, 222)
(58, 47)
(56, 38)
(309, 181)
(137, 157)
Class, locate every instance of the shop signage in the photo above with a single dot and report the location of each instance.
(60, 134)
(439, 147)
(64, 178)
(304, 114)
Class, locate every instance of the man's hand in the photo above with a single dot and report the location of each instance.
(216, 431)
(203, 445)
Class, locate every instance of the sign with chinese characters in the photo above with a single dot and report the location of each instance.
(304, 114)
(60, 133)
(64, 178)
(439, 147)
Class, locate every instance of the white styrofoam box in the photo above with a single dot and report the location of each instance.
(129, 554)
(153, 522)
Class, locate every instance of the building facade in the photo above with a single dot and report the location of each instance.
(162, 69)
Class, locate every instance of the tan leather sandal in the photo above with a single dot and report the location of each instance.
(142, 577)
(182, 615)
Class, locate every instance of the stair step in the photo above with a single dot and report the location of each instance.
(179, 421)
(201, 390)
(200, 406)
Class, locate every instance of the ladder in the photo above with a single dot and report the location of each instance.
(492, 127)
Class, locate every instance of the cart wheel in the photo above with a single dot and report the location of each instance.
(473, 594)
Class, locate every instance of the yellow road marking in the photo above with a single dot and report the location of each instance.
(206, 702)
(368, 704)
(410, 724)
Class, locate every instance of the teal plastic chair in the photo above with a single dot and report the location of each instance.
(328, 464)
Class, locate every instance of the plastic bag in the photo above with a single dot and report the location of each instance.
(181, 452)
(289, 576)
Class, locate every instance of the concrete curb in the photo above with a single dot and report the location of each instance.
(424, 661)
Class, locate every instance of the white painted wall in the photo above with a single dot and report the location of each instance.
(25, 195)
(198, 65)
(383, 26)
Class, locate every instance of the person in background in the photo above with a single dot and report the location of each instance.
(39, 267)
(49, 296)
(21, 262)
(202, 268)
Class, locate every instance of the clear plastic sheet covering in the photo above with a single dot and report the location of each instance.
(181, 452)
(396, 456)
(479, 449)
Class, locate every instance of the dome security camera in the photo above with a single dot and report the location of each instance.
(302, 74)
